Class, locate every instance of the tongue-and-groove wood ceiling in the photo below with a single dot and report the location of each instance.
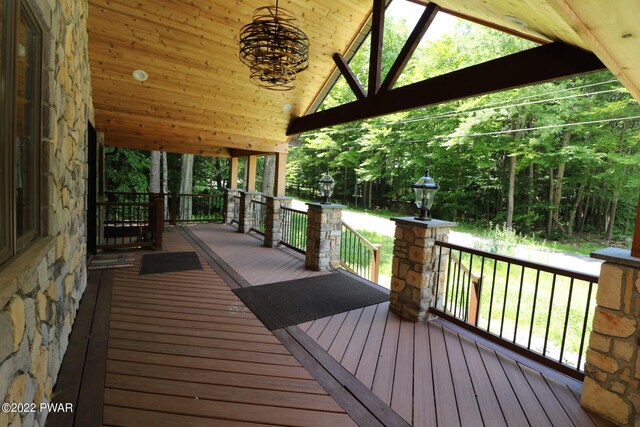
(199, 99)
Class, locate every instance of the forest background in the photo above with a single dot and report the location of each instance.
(559, 159)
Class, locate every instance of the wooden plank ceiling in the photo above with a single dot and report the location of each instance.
(199, 98)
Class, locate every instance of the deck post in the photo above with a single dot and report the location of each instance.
(273, 220)
(612, 369)
(417, 266)
(229, 203)
(245, 221)
(324, 234)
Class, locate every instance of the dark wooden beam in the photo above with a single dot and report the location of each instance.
(351, 78)
(538, 65)
(635, 247)
(375, 60)
(410, 46)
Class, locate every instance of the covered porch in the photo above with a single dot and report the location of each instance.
(182, 349)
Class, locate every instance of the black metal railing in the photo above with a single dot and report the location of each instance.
(259, 216)
(537, 309)
(180, 208)
(294, 229)
(358, 255)
(189, 208)
(130, 224)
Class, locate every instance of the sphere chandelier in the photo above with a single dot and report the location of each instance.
(274, 48)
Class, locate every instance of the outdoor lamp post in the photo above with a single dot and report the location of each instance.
(326, 187)
(425, 190)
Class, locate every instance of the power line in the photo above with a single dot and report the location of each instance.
(494, 106)
(503, 132)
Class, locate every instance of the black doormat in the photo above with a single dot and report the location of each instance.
(169, 262)
(297, 301)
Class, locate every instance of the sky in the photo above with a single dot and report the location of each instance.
(411, 13)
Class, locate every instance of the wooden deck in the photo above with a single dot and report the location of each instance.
(183, 350)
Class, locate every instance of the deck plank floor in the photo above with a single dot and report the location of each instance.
(183, 350)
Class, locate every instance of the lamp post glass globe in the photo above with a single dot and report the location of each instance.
(326, 183)
(425, 190)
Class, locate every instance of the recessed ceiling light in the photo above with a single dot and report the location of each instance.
(140, 75)
(286, 108)
(519, 22)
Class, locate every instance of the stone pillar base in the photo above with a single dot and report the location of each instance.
(612, 369)
(230, 204)
(416, 264)
(324, 234)
(273, 221)
(245, 221)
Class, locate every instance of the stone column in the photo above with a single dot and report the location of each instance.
(324, 232)
(229, 203)
(273, 221)
(416, 264)
(245, 222)
(612, 370)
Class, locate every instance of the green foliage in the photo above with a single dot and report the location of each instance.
(466, 145)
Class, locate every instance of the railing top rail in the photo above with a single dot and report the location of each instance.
(284, 208)
(259, 202)
(124, 203)
(199, 195)
(522, 262)
(360, 236)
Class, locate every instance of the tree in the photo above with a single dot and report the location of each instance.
(186, 185)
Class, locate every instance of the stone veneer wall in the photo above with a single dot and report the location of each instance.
(40, 288)
(612, 381)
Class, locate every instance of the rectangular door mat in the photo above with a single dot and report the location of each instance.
(297, 301)
(169, 262)
(105, 261)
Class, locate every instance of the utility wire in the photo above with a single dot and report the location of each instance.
(502, 132)
(494, 106)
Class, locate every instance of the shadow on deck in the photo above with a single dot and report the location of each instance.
(181, 349)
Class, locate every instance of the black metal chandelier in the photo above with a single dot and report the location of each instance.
(274, 48)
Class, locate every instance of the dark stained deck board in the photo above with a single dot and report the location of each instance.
(358, 339)
(402, 393)
(222, 326)
(329, 333)
(199, 342)
(424, 412)
(343, 337)
(446, 405)
(552, 407)
(186, 316)
(194, 338)
(216, 377)
(366, 369)
(507, 399)
(468, 408)
(223, 393)
(385, 368)
(318, 326)
(127, 417)
(224, 410)
(486, 397)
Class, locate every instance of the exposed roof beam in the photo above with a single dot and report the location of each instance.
(351, 78)
(247, 153)
(538, 65)
(410, 46)
(375, 60)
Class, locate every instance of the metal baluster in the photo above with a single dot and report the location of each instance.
(493, 286)
(504, 300)
(533, 309)
(515, 329)
(546, 333)
(584, 325)
(566, 320)
(480, 291)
